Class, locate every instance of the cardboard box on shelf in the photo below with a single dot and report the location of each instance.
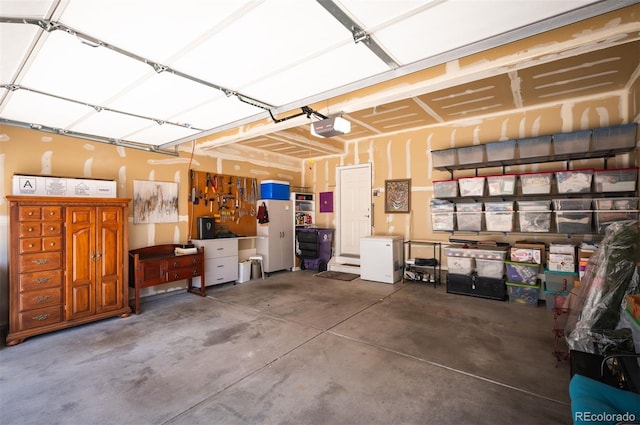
(561, 262)
(536, 249)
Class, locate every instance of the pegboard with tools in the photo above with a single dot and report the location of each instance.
(230, 200)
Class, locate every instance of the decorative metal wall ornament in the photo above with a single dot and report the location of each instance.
(397, 196)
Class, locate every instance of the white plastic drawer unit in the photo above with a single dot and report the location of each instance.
(224, 247)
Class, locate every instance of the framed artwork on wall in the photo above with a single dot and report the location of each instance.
(397, 196)
(155, 202)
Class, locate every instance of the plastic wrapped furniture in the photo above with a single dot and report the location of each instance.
(611, 274)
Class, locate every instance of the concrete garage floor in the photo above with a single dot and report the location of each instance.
(295, 349)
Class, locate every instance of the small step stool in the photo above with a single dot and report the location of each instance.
(257, 258)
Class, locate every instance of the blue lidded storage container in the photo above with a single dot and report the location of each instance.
(274, 189)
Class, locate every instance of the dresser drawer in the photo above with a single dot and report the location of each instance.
(40, 261)
(180, 274)
(221, 270)
(35, 213)
(53, 243)
(39, 299)
(52, 228)
(29, 229)
(181, 262)
(40, 280)
(40, 317)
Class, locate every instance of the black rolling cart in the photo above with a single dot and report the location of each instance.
(423, 269)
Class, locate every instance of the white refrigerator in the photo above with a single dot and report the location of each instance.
(381, 258)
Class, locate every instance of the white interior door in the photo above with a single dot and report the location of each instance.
(353, 208)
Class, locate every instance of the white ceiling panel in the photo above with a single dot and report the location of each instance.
(26, 8)
(35, 108)
(216, 113)
(66, 67)
(334, 68)
(163, 96)
(15, 41)
(109, 124)
(457, 23)
(191, 62)
(160, 134)
(374, 14)
(272, 37)
(157, 29)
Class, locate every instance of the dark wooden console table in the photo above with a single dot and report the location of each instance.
(158, 264)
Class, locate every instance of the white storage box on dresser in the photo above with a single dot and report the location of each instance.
(381, 258)
(220, 261)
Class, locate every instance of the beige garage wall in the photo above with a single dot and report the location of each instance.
(408, 155)
(25, 151)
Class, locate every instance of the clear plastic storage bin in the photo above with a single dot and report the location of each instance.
(618, 137)
(443, 221)
(534, 147)
(501, 151)
(490, 268)
(523, 294)
(535, 221)
(502, 184)
(444, 158)
(605, 218)
(574, 181)
(559, 281)
(534, 205)
(572, 143)
(522, 272)
(460, 265)
(617, 204)
(441, 205)
(573, 221)
(445, 188)
(536, 183)
(499, 221)
(472, 155)
(471, 186)
(498, 206)
(469, 206)
(469, 221)
(616, 180)
(572, 204)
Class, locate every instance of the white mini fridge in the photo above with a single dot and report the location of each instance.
(381, 258)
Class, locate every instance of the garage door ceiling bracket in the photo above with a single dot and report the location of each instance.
(359, 34)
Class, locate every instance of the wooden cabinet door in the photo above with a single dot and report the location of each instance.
(80, 260)
(109, 266)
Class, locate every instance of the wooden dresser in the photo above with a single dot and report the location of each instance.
(67, 263)
(158, 264)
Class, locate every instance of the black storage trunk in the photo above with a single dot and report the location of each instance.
(483, 287)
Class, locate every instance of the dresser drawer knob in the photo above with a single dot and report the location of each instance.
(42, 298)
(52, 228)
(31, 245)
(41, 317)
(52, 213)
(41, 261)
(175, 276)
(175, 264)
(42, 279)
(30, 213)
(52, 244)
(30, 229)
